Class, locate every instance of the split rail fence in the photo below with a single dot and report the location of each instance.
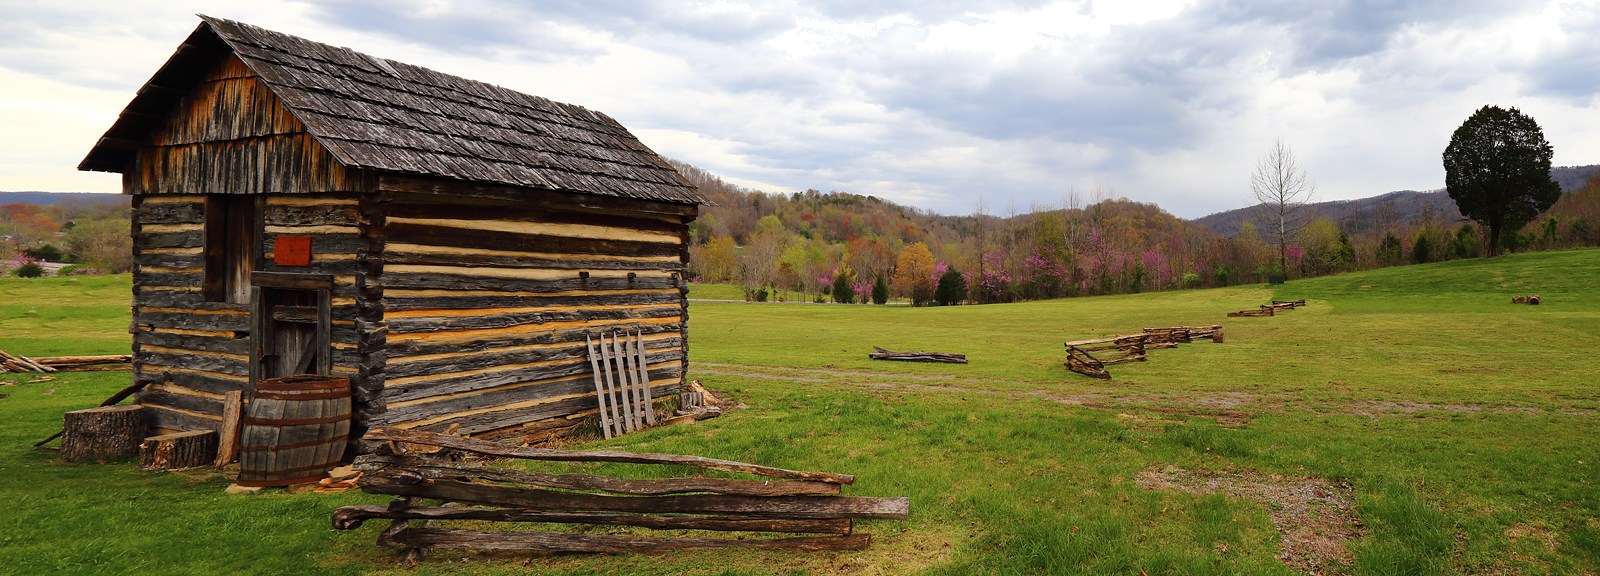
(794, 502)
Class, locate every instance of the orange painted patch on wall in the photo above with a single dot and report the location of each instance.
(292, 251)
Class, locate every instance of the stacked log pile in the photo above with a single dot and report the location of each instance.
(797, 502)
(881, 354)
(13, 363)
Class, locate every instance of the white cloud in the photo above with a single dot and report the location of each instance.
(931, 103)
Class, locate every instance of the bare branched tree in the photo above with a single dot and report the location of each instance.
(1281, 186)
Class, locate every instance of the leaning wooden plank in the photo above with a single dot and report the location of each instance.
(630, 392)
(436, 468)
(599, 388)
(493, 449)
(814, 507)
(351, 517)
(228, 432)
(616, 388)
(606, 544)
(644, 378)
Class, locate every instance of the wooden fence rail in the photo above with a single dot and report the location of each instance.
(802, 503)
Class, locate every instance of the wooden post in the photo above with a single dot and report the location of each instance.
(178, 450)
(228, 433)
(102, 433)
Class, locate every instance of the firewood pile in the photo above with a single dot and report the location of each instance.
(1090, 357)
(1529, 299)
(13, 363)
(881, 354)
(796, 502)
(1269, 309)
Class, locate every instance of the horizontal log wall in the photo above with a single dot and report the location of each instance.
(488, 302)
(231, 135)
(196, 350)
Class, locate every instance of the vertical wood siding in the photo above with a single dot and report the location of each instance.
(230, 136)
(487, 303)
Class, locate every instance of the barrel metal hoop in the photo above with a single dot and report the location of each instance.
(296, 422)
(278, 394)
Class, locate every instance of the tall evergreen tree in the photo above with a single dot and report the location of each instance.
(1497, 169)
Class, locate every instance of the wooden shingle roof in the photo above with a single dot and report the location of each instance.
(389, 116)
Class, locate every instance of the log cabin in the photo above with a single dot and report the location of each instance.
(446, 244)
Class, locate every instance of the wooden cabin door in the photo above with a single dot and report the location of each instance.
(292, 326)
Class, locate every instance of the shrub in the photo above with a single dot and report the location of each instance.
(1222, 275)
(47, 253)
(841, 289)
(1191, 280)
(952, 288)
(30, 270)
(1420, 252)
(880, 291)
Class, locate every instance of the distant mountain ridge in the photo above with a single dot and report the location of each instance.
(53, 198)
(1403, 207)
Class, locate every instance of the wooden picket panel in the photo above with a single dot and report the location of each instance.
(622, 383)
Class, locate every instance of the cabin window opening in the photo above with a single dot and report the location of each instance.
(230, 247)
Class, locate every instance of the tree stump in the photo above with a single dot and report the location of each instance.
(102, 433)
(178, 450)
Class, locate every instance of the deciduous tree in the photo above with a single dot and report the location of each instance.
(913, 274)
(1281, 186)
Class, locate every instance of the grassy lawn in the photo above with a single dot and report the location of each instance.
(1464, 429)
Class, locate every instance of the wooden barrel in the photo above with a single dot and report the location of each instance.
(295, 429)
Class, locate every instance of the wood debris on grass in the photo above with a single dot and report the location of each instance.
(943, 357)
(13, 363)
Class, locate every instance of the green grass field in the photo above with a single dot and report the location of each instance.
(1463, 428)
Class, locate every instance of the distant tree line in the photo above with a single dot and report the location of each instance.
(841, 247)
(93, 237)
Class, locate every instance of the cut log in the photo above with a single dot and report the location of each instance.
(881, 354)
(103, 433)
(178, 450)
(503, 451)
(803, 507)
(111, 401)
(435, 468)
(351, 517)
(605, 544)
(228, 432)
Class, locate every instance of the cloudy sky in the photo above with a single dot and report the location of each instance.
(932, 103)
